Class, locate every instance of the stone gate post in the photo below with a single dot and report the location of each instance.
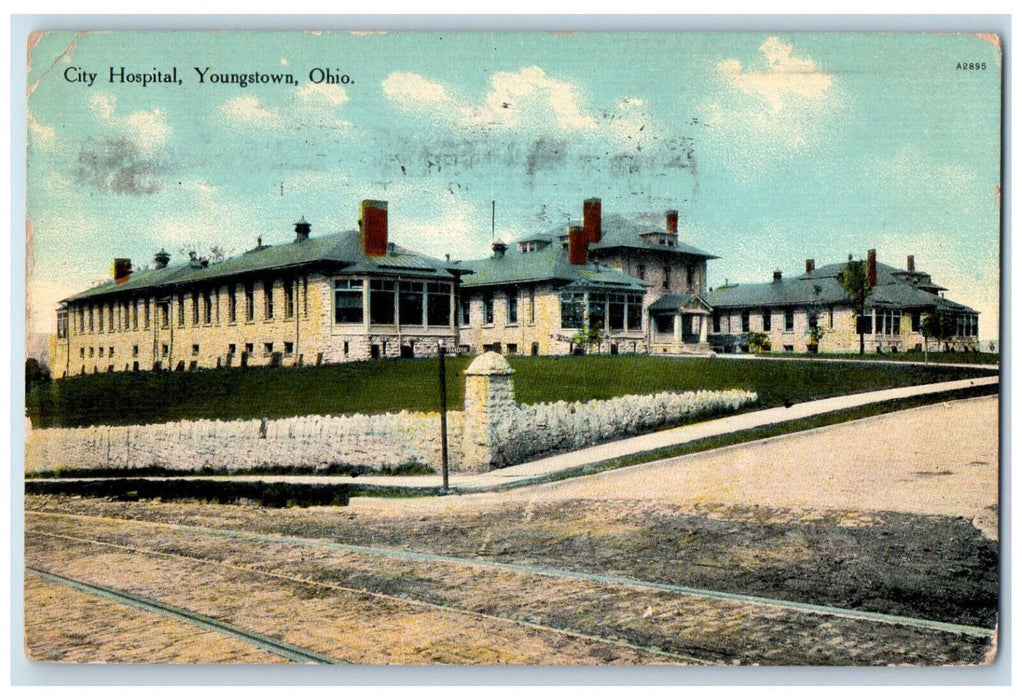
(489, 412)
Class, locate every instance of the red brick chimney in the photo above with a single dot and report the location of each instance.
(911, 263)
(872, 262)
(578, 245)
(810, 266)
(672, 221)
(121, 270)
(592, 220)
(372, 227)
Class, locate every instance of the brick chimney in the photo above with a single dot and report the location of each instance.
(592, 220)
(578, 245)
(121, 270)
(810, 266)
(911, 263)
(302, 229)
(161, 259)
(871, 256)
(372, 227)
(672, 220)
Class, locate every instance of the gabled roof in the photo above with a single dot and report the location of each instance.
(619, 232)
(895, 288)
(674, 302)
(339, 251)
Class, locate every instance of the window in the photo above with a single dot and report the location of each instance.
(634, 312)
(267, 348)
(348, 301)
(101, 317)
(864, 323)
(81, 353)
(165, 350)
(249, 348)
(268, 300)
(488, 308)
(145, 313)
(597, 310)
(165, 315)
(195, 349)
(915, 321)
(438, 304)
(410, 304)
(690, 276)
(789, 320)
(532, 306)
(289, 299)
(616, 312)
(466, 310)
(572, 309)
(232, 348)
(512, 307)
(716, 323)
(181, 310)
(642, 272)
(101, 349)
(305, 296)
(766, 320)
(249, 302)
(62, 324)
(134, 315)
(289, 348)
(134, 351)
(381, 302)
(111, 312)
(232, 304)
(91, 319)
(195, 308)
(667, 278)
(745, 322)
(207, 307)
(92, 352)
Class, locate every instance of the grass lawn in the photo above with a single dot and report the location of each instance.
(393, 385)
(943, 358)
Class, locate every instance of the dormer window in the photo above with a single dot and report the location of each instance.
(532, 246)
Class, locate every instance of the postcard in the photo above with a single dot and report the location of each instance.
(513, 348)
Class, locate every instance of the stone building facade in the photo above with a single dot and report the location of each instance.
(785, 310)
(534, 296)
(341, 297)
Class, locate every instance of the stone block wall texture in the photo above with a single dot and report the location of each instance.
(492, 432)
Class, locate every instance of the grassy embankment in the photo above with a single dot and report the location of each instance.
(395, 385)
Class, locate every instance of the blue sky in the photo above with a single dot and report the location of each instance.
(774, 147)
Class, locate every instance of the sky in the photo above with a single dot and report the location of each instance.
(773, 147)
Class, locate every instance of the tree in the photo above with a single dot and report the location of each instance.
(854, 278)
(939, 324)
(587, 336)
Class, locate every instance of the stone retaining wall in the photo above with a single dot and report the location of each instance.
(492, 432)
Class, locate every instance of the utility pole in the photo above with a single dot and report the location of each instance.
(443, 414)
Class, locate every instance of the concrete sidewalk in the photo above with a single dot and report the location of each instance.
(537, 470)
(854, 358)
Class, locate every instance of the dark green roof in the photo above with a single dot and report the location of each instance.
(550, 263)
(895, 288)
(337, 251)
(619, 232)
(673, 302)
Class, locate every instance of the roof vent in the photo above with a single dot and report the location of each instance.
(499, 248)
(777, 275)
(161, 259)
(302, 229)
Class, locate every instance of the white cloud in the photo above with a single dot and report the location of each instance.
(410, 90)
(530, 97)
(785, 76)
(147, 130)
(40, 132)
(247, 110)
(329, 94)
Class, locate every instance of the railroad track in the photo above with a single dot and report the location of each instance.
(259, 640)
(274, 646)
(559, 573)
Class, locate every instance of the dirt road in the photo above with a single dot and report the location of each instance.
(851, 545)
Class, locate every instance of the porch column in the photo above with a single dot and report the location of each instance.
(677, 327)
(703, 328)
